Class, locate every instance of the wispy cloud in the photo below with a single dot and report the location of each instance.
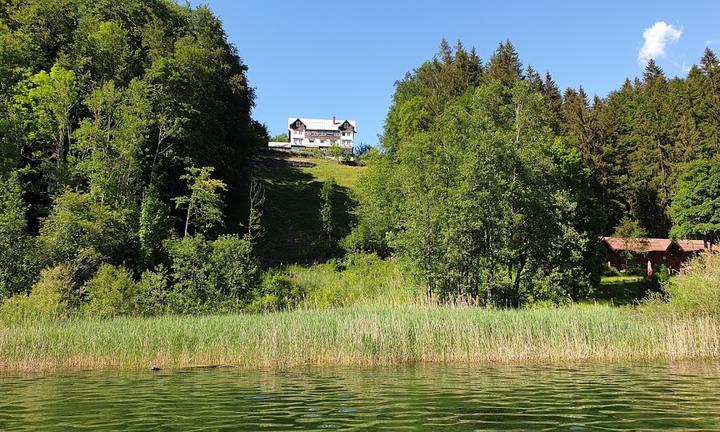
(685, 68)
(656, 39)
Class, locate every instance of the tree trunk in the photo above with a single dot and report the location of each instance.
(187, 218)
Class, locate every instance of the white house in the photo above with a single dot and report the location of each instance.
(320, 133)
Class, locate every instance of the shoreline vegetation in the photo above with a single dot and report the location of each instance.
(366, 312)
(361, 336)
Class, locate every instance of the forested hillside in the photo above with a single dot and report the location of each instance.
(496, 184)
(125, 137)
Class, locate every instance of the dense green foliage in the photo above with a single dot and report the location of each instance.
(498, 186)
(53, 296)
(638, 140)
(327, 218)
(110, 112)
(16, 264)
(695, 209)
(483, 196)
(698, 290)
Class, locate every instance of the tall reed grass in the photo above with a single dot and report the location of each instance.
(360, 337)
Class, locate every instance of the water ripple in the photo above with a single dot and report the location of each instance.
(579, 398)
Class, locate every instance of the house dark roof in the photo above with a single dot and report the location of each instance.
(322, 124)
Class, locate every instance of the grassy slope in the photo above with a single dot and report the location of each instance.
(361, 336)
(291, 214)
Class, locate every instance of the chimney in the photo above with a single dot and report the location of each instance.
(334, 122)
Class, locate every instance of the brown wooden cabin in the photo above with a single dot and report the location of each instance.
(659, 251)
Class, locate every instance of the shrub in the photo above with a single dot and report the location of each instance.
(17, 270)
(210, 276)
(193, 289)
(53, 296)
(359, 279)
(152, 292)
(277, 291)
(111, 292)
(698, 291)
(85, 234)
(235, 270)
(154, 227)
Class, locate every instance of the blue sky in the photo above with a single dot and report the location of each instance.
(325, 58)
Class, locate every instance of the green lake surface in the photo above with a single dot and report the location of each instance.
(683, 397)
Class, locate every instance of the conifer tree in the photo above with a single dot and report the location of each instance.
(504, 65)
(709, 60)
(579, 124)
(652, 71)
(554, 102)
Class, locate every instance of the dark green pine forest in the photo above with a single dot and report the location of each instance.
(126, 183)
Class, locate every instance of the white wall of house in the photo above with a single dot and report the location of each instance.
(321, 133)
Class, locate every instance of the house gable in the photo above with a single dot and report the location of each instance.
(346, 126)
(297, 125)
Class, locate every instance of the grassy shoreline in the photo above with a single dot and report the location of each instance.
(367, 336)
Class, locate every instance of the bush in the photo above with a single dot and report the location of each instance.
(277, 291)
(193, 289)
(17, 270)
(154, 227)
(698, 291)
(83, 233)
(111, 292)
(210, 276)
(235, 271)
(359, 279)
(53, 296)
(152, 292)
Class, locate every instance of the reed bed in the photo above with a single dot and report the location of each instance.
(366, 336)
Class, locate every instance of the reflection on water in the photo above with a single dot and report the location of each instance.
(612, 397)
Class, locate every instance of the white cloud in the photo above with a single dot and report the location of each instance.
(656, 39)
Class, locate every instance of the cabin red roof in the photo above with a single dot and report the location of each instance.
(619, 244)
(638, 244)
(691, 245)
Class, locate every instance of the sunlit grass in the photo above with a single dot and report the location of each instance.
(361, 336)
(362, 280)
(291, 211)
(345, 175)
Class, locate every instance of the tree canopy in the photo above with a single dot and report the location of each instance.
(109, 111)
(695, 209)
(494, 183)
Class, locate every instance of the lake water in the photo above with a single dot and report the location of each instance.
(434, 398)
